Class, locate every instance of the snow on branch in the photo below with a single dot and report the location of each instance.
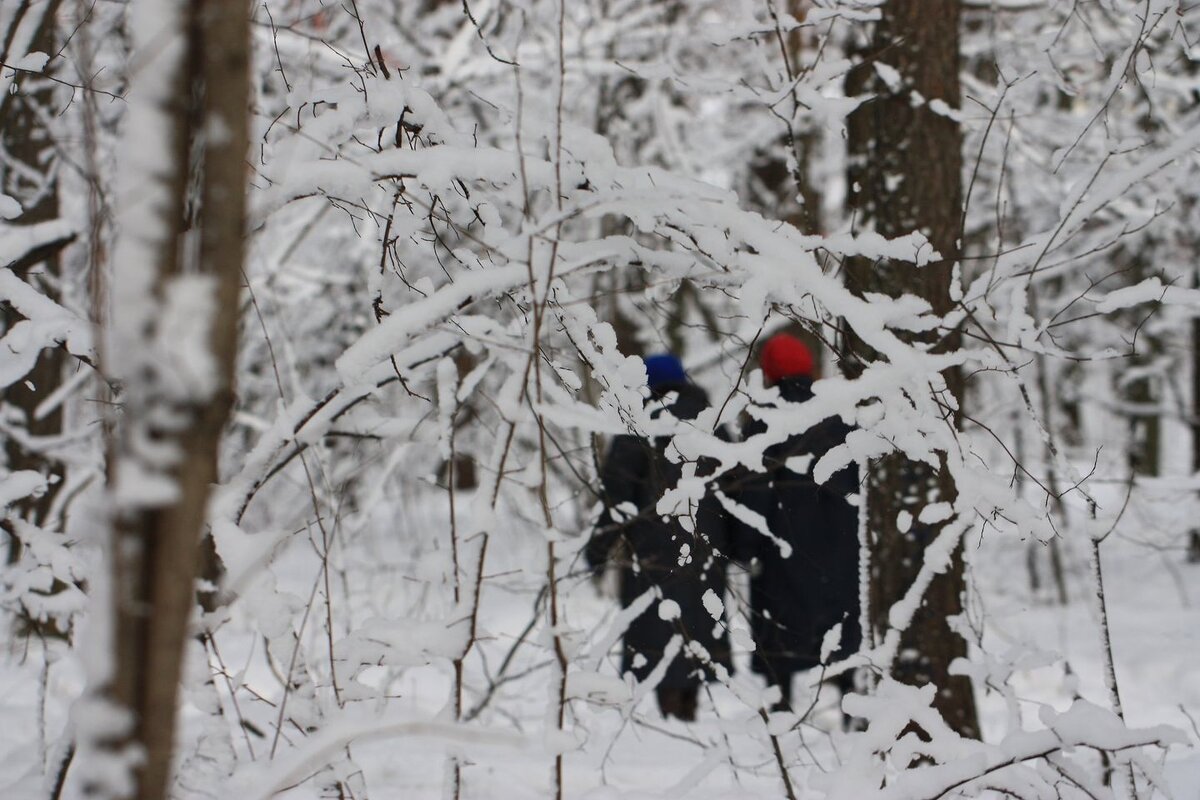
(907, 751)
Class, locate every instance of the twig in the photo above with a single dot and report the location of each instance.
(1110, 671)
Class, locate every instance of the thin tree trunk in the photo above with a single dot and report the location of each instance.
(175, 404)
(1144, 409)
(1193, 553)
(906, 175)
(1048, 452)
(1110, 667)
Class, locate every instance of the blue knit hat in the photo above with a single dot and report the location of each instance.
(664, 369)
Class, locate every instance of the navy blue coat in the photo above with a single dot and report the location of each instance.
(796, 600)
(637, 472)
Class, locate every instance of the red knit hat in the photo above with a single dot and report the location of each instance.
(785, 356)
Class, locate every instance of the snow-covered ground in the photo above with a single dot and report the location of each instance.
(1154, 600)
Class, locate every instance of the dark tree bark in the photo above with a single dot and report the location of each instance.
(28, 173)
(1138, 384)
(906, 175)
(1193, 552)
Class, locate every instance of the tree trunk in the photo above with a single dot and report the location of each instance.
(174, 409)
(906, 175)
(1193, 552)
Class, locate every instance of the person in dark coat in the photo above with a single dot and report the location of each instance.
(685, 570)
(795, 600)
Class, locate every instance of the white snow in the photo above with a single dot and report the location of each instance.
(668, 610)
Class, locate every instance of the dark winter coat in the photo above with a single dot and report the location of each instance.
(796, 600)
(651, 548)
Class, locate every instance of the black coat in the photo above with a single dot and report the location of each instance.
(637, 472)
(796, 600)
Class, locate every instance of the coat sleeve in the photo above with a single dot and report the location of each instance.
(752, 491)
(728, 484)
(621, 476)
(749, 490)
(844, 482)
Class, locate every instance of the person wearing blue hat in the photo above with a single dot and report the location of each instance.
(684, 571)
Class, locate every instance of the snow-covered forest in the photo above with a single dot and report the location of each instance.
(399, 399)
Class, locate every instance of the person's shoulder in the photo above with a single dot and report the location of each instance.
(825, 435)
(624, 447)
(690, 400)
(835, 426)
(628, 441)
(627, 455)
